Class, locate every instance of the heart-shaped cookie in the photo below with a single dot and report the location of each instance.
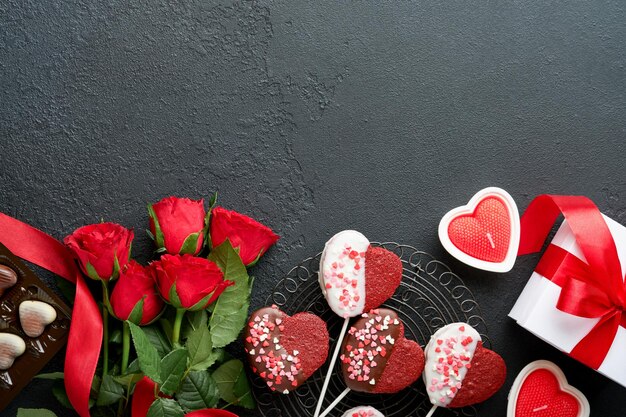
(376, 357)
(11, 346)
(356, 277)
(459, 370)
(35, 316)
(541, 390)
(8, 278)
(484, 233)
(363, 411)
(285, 350)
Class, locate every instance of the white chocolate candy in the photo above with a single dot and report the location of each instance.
(449, 355)
(11, 346)
(35, 316)
(363, 412)
(342, 273)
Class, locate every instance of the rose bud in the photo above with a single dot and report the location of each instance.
(251, 238)
(135, 284)
(101, 249)
(177, 225)
(189, 282)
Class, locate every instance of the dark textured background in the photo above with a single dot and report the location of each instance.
(316, 117)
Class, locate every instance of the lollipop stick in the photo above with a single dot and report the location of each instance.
(432, 411)
(334, 403)
(331, 367)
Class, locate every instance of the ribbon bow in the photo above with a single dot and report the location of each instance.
(593, 289)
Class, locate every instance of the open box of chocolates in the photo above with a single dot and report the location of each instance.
(34, 325)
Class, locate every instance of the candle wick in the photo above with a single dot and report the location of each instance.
(493, 245)
(543, 407)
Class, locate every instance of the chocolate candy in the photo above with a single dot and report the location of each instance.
(8, 278)
(34, 325)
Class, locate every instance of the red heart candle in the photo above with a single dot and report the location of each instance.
(484, 233)
(541, 390)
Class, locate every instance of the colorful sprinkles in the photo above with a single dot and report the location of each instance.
(363, 412)
(273, 363)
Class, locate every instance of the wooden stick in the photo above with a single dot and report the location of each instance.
(334, 403)
(331, 367)
(432, 411)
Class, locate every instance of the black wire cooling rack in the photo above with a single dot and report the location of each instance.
(429, 297)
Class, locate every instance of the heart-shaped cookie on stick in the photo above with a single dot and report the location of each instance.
(11, 347)
(485, 233)
(459, 370)
(377, 358)
(541, 390)
(355, 278)
(285, 350)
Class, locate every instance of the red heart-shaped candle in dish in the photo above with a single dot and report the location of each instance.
(484, 233)
(459, 370)
(541, 390)
(285, 350)
(376, 357)
(356, 277)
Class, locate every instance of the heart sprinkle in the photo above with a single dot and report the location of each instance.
(8, 278)
(35, 316)
(11, 346)
(272, 361)
(363, 412)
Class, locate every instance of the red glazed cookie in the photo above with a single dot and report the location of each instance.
(356, 277)
(377, 358)
(285, 350)
(459, 370)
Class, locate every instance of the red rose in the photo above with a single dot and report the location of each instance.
(136, 283)
(188, 282)
(177, 225)
(251, 237)
(102, 249)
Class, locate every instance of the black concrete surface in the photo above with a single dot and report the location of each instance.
(316, 117)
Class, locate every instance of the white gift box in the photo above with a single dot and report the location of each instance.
(536, 310)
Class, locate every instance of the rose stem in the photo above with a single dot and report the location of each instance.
(125, 346)
(331, 366)
(178, 321)
(334, 403)
(105, 328)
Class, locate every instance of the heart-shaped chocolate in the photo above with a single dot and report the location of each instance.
(363, 411)
(8, 278)
(541, 390)
(35, 316)
(11, 346)
(285, 350)
(484, 233)
(459, 370)
(376, 357)
(356, 277)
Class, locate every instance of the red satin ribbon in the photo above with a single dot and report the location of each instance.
(592, 290)
(85, 338)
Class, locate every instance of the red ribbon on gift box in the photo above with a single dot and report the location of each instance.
(85, 338)
(594, 289)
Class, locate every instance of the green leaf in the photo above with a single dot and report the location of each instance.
(51, 375)
(128, 379)
(136, 314)
(164, 407)
(199, 345)
(158, 339)
(194, 320)
(231, 308)
(213, 200)
(198, 391)
(233, 385)
(190, 244)
(58, 390)
(91, 272)
(133, 367)
(67, 289)
(149, 360)
(34, 412)
(110, 391)
(173, 367)
(215, 356)
(158, 234)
